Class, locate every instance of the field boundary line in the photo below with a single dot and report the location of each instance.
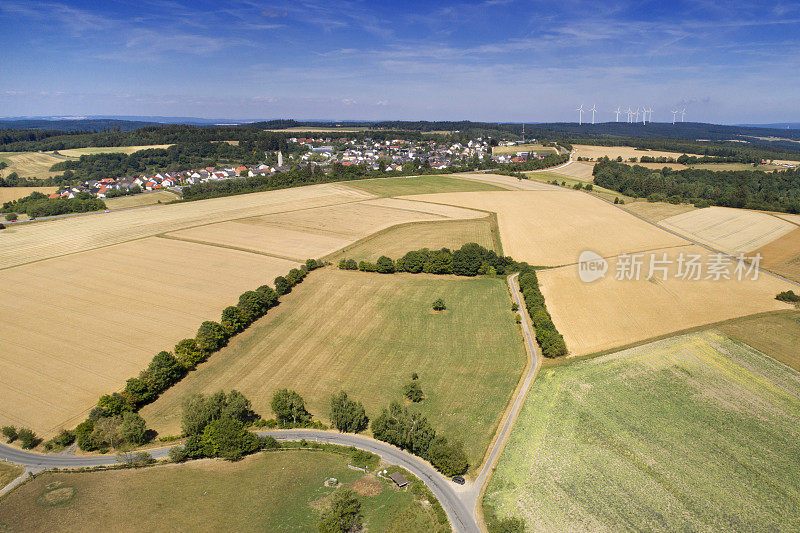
(225, 246)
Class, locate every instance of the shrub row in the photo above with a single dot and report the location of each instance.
(107, 422)
(548, 337)
(469, 260)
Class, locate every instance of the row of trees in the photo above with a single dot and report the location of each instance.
(550, 340)
(107, 423)
(37, 205)
(749, 189)
(469, 260)
(27, 438)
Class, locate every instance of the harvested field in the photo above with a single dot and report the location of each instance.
(366, 334)
(278, 491)
(138, 200)
(83, 324)
(506, 182)
(612, 152)
(610, 313)
(775, 334)
(569, 183)
(531, 222)
(729, 230)
(42, 240)
(91, 150)
(577, 169)
(396, 241)
(691, 433)
(8, 194)
(31, 164)
(657, 211)
(782, 255)
(794, 219)
(523, 148)
(9, 472)
(418, 185)
(319, 231)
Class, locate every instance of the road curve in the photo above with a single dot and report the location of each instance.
(461, 517)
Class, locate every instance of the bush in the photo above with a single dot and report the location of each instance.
(28, 439)
(348, 264)
(348, 415)
(11, 217)
(385, 265)
(448, 458)
(228, 438)
(63, 439)
(133, 428)
(413, 392)
(211, 336)
(137, 459)
(177, 454)
(343, 515)
(439, 305)
(788, 296)
(234, 320)
(282, 286)
(189, 353)
(10, 433)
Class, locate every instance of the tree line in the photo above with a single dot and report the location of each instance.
(37, 205)
(109, 421)
(748, 189)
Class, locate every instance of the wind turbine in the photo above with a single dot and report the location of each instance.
(683, 114)
(630, 114)
(674, 113)
(644, 115)
(637, 114)
(650, 110)
(580, 115)
(618, 113)
(594, 110)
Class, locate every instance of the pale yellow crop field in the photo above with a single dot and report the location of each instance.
(141, 199)
(782, 255)
(79, 326)
(552, 228)
(729, 230)
(507, 182)
(31, 164)
(523, 148)
(576, 169)
(8, 194)
(612, 152)
(609, 313)
(91, 150)
(41, 240)
(657, 211)
(313, 233)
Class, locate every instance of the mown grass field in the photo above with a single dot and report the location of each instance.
(277, 491)
(396, 241)
(30, 164)
(366, 334)
(522, 148)
(8, 473)
(138, 200)
(777, 335)
(401, 186)
(692, 433)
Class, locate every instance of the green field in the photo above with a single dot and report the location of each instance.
(777, 335)
(8, 473)
(402, 186)
(691, 433)
(397, 240)
(277, 491)
(137, 200)
(366, 334)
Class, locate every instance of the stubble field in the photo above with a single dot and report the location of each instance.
(81, 325)
(277, 491)
(400, 186)
(92, 150)
(531, 222)
(366, 334)
(692, 433)
(31, 164)
(609, 313)
(139, 200)
(782, 255)
(612, 152)
(8, 194)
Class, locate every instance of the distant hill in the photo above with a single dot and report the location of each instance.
(776, 126)
(92, 124)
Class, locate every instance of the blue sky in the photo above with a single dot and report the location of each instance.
(495, 60)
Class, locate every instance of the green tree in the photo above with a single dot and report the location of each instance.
(28, 438)
(289, 406)
(163, 371)
(253, 305)
(343, 515)
(413, 392)
(189, 353)
(114, 404)
(211, 336)
(133, 428)
(234, 319)
(269, 294)
(10, 433)
(448, 458)
(137, 392)
(385, 265)
(348, 415)
(282, 286)
(439, 305)
(404, 428)
(226, 437)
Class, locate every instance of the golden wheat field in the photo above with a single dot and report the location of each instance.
(553, 227)
(42, 240)
(82, 324)
(612, 152)
(8, 194)
(782, 255)
(507, 182)
(576, 169)
(729, 230)
(31, 164)
(657, 211)
(610, 313)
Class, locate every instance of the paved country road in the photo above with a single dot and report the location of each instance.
(461, 516)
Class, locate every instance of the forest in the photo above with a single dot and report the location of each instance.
(749, 189)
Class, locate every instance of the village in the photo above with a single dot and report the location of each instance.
(396, 155)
